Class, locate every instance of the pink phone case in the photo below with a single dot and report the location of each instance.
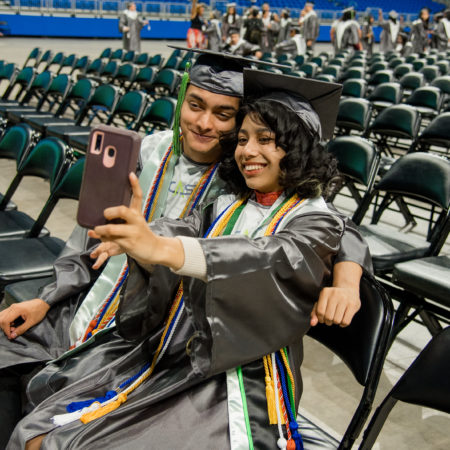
(112, 154)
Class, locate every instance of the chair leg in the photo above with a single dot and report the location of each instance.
(430, 321)
(373, 429)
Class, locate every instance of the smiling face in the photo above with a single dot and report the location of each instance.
(205, 117)
(257, 156)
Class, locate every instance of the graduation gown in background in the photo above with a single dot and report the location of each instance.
(310, 28)
(388, 36)
(132, 38)
(419, 36)
(257, 299)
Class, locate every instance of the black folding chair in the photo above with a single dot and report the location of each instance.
(362, 346)
(425, 383)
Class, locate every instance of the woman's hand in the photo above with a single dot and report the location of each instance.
(134, 236)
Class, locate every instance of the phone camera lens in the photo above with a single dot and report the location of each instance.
(111, 152)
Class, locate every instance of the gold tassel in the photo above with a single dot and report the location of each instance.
(270, 396)
(89, 417)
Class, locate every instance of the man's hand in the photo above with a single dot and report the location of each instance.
(339, 303)
(31, 312)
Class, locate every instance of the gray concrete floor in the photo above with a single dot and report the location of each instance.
(330, 393)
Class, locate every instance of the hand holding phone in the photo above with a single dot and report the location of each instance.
(112, 154)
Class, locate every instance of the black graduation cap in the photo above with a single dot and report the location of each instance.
(220, 73)
(315, 102)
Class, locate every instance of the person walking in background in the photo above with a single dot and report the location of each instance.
(419, 31)
(345, 32)
(439, 38)
(230, 20)
(213, 32)
(195, 36)
(367, 34)
(390, 30)
(253, 27)
(130, 25)
(285, 25)
(271, 28)
(310, 24)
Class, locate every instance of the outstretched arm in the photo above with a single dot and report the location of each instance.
(134, 236)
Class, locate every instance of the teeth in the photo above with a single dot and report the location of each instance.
(254, 167)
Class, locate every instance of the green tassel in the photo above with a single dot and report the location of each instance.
(176, 124)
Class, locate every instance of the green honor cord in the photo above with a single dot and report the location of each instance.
(176, 123)
(244, 407)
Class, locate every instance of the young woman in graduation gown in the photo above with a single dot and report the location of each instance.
(220, 343)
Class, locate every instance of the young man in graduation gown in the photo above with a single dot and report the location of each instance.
(236, 45)
(310, 25)
(390, 30)
(242, 299)
(202, 103)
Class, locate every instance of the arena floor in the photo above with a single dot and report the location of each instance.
(330, 394)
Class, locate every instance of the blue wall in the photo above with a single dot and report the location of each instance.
(22, 25)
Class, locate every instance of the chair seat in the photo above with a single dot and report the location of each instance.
(380, 104)
(15, 224)
(389, 247)
(5, 104)
(17, 115)
(65, 131)
(28, 258)
(314, 437)
(426, 112)
(41, 123)
(79, 141)
(427, 277)
(25, 290)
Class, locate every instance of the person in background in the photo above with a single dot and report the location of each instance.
(130, 25)
(271, 23)
(310, 25)
(367, 34)
(345, 32)
(390, 30)
(239, 46)
(254, 27)
(445, 24)
(439, 38)
(294, 45)
(230, 20)
(420, 30)
(195, 36)
(285, 26)
(213, 32)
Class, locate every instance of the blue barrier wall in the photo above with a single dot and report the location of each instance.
(23, 25)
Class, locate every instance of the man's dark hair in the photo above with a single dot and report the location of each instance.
(306, 169)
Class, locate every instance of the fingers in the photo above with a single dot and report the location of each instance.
(7, 318)
(102, 258)
(336, 306)
(136, 199)
(314, 319)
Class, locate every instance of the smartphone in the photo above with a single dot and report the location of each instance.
(111, 155)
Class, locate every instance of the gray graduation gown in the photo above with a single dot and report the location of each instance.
(258, 298)
(419, 37)
(311, 29)
(131, 38)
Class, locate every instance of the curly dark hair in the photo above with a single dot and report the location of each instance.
(307, 168)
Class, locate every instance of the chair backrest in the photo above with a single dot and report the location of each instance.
(381, 76)
(23, 79)
(387, 92)
(437, 132)
(15, 143)
(106, 53)
(129, 56)
(155, 60)
(427, 96)
(358, 158)
(362, 346)
(159, 115)
(398, 121)
(354, 88)
(38, 88)
(142, 59)
(443, 83)
(126, 73)
(353, 114)
(412, 80)
(426, 382)
(353, 73)
(68, 186)
(430, 73)
(402, 69)
(34, 56)
(419, 175)
(110, 70)
(129, 109)
(166, 81)
(102, 103)
(69, 61)
(81, 64)
(117, 54)
(95, 67)
(172, 63)
(79, 95)
(46, 160)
